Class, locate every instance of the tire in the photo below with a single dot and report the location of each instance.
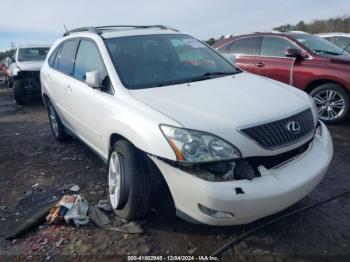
(332, 102)
(19, 92)
(56, 125)
(9, 83)
(134, 182)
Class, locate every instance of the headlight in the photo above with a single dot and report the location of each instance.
(314, 109)
(196, 146)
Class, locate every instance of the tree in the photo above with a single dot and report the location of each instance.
(338, 24)
(210, 41)
(301, 26)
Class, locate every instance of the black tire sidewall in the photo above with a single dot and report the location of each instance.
(345, 95)
(19, 92)
(137, 203)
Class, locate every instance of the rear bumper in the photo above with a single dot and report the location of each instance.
(277, 188)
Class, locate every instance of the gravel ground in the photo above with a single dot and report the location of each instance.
(29, 155)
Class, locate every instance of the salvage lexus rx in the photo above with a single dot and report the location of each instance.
(159, 105)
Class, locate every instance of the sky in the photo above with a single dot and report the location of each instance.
(41, 21)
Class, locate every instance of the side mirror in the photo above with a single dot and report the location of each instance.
(294, 52)
(230, 57)
(92, 79)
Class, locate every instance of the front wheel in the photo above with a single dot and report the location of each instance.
(128, 182)
(332, 103)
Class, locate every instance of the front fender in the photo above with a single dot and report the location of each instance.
(139, 124)
(149, 140)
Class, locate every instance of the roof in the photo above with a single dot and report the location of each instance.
(124, 30)
(223, 41)
(334, 34)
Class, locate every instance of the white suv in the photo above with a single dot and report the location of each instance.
(231, 146)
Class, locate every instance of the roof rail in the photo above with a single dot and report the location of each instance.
(83, 29)
(99, 29)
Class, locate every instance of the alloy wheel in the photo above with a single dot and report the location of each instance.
(330, 104)
(53, 120)
(114, 179)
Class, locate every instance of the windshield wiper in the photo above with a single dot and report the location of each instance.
(217, 73)
(326, 52)
(205, 76)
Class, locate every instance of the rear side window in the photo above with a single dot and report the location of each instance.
(224, 49)
(275, 46)
(341, 41)
(65, 59)
(245, 46)
(53, 56)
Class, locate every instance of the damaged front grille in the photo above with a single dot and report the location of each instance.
(273, 161)
(278, 134)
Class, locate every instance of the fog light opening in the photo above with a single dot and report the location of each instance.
(215, 213)
(239, 190)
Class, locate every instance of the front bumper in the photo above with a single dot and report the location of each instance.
(277, 188)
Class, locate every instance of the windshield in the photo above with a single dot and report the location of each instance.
(158, 60)
(317, 44)
(32, 54)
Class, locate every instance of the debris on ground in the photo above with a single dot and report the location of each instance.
(104, 205)
(78, 212)
(74, 188)
(58, 212)
(101, 220)
(70, 208)
(30, 223)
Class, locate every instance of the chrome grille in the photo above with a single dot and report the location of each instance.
(275, 134)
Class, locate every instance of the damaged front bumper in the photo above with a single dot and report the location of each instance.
(243, 201)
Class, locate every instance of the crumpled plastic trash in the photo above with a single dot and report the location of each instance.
(78, 212)
(69, 208)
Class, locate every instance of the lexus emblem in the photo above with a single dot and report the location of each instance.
(293, 127)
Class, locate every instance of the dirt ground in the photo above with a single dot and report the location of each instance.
(29, 155)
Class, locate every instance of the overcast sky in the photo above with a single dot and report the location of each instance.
(41, 21)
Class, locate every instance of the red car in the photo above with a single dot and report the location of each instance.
(305, 61)
(4, 71)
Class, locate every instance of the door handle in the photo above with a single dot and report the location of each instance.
(69, 89)
(260, 64)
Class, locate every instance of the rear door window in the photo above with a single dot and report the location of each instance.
(341, 41)
(224, 49)
(53, 56)
(65, 59)
(88, 59)
(275, 46)
(245, 46)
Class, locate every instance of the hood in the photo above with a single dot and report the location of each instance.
(30, 65)
(231, 101)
